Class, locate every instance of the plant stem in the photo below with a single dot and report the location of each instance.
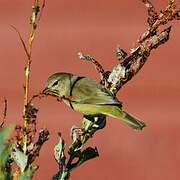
(35, 11)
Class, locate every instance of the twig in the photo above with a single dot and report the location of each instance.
(28, 50)
(39, 95)
(97, 65)
(4, 113)
(43, 137)
(28, 69)
(41, 11)
(152, 14)
(120, 54)
(21, 39)
(103, 74)
(77, 156)
(124, 71)
(131, 64)
(34, 21)
(22, 150)
(169, 14)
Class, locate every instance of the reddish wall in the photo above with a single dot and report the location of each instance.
(96, 27)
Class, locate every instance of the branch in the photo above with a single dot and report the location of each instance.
(34, 20)
(4, 113)
(103, 74)
(96, 64)
(77, 156)
(152, 14)
(125, 71)
(169, 14)
(90, 124)
(22, 41)
(41, 11)
(21, 151)
(137, 57)
(43, 137)
(131, 63)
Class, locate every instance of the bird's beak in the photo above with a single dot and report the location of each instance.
(48, 91)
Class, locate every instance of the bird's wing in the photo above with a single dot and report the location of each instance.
(88, 91)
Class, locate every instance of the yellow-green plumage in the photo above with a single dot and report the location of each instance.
(109, 110)
(89, 97)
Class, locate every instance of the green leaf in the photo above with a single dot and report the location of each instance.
(87, 154)
(4, 135)
(20, 158)
(5, 155)
(61, 160)
(35, 11)
(64, 175)
(5, 151)
(28, 173)
(86, 123)
(93, 122)
(59, 151)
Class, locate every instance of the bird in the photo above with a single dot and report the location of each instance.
(88, 97)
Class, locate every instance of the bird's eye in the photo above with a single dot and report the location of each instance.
(55, 83)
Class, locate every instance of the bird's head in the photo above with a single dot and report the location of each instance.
(54, 83)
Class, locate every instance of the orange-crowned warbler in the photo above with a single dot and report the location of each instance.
(88, 97)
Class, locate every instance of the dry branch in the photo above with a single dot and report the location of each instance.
(26, 150)
(4, 113)
(138, 55)
(96, 64)
(43, 137)
(34, 20)
(126, 70)
(131, 63)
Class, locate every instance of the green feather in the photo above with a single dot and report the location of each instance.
(87, 91)
(112, 111)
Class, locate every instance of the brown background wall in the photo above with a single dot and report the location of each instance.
(96, 27)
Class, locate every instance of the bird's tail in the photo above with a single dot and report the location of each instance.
(130, 120)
